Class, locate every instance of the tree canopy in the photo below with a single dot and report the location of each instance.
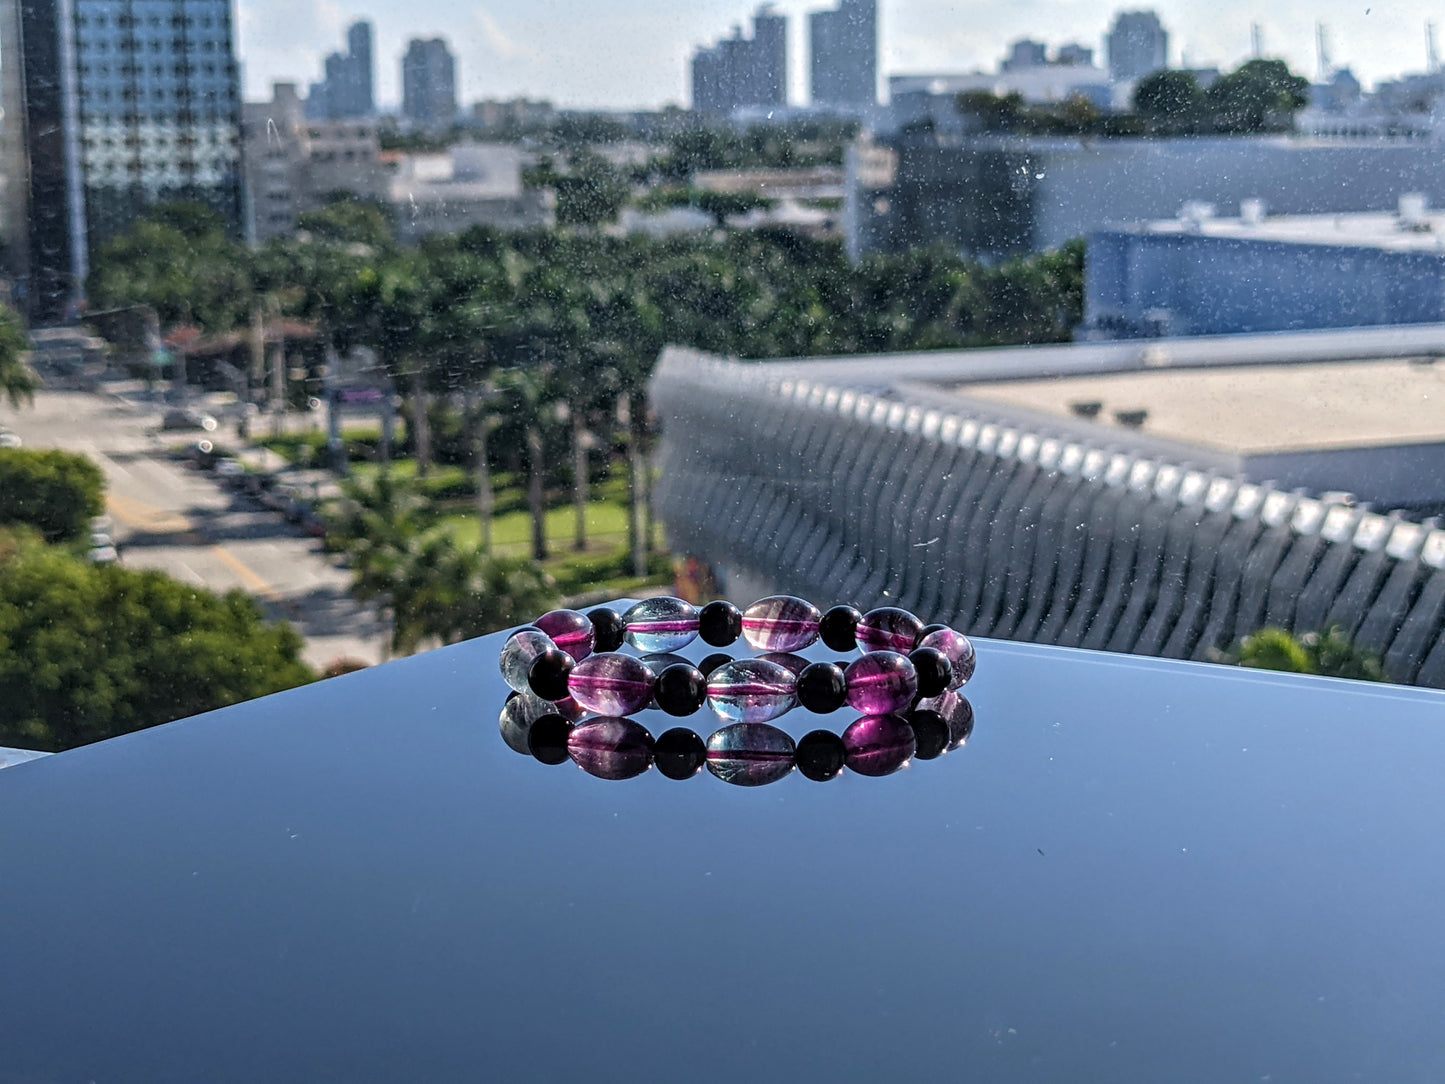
(55, 492)
(88, 652)
(18, 381)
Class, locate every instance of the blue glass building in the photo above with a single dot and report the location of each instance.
(127, 104)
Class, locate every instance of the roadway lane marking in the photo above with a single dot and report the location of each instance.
(147, 518)
(254, 583)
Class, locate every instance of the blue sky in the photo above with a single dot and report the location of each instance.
(633, 53)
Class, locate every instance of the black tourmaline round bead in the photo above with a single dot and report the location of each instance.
(821, 688)
(679, 754)
(930, 629)
(611, 632)
(935, 671)
(720, 623)
(839, 628)
(930, 731)
(820, 756)
(713, 662)
(548, 739)
(681, 689)
(548, 674)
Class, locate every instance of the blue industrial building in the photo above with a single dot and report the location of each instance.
(1203, 276)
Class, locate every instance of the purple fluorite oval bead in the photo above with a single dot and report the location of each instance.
(750, 754)
(878, 745)
(957, 712)
(521, 648)
(570, 631)
(781, 623)
(752, 691)
(881, 682)
(889, 629)
(611, 684)
(611, 748)
(661, 624)
(794, 664)
(959, 650)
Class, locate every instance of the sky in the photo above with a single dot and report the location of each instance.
(619, 54)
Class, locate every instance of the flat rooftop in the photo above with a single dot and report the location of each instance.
(1382, 230)
(1251, 410)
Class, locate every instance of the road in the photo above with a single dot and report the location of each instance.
(169, 517)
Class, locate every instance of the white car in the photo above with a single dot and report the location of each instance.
(104, 555)
(9, 440)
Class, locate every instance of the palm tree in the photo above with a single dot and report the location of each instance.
(530, 397)
(18, 381)
(378, 525)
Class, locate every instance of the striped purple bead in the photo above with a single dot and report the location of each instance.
(661, 624)
(752, 691)
(611, 684)
(750, 754)
(781, 623)
(518, 654)
(570, 631)
(889, 629)
(878, 745)
(611, 748)
(959, 650)
(881, 682)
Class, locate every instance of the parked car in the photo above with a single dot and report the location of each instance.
(230, 471)
(9, 439)
(105, 555)
(178, 418)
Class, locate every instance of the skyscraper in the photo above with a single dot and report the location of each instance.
(428, 83)
(346, 91)
(126, 104)
(744, 73)
(845, 55)
(1137, 45)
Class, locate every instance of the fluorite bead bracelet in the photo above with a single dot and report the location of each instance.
(569, 656)
(743, 754)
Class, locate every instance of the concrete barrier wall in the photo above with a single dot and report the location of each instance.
(815, 488)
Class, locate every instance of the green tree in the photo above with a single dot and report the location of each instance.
(1258, 96)
(1171, 100)
(90, 652)
(18, 381)
(377, 524)
(349, 221)
(55, 492)
(590, 193)
(1330, 653)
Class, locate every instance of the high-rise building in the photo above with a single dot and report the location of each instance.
(346, 91)
(124, 104)
(845, 55)
(1137, 45)
(429, 83)
(744, 73)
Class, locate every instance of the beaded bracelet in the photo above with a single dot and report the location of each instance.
(555, 659)
(743, 754)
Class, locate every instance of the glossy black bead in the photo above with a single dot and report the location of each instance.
(932, 628)
(839, 628)
(548, 739)
(548, 674)
(680, 689)
(713, 662)
(611, 632)
(720, 623)
(821, 688)
(930, 731)
(679, 754)
(935, 670)
(821, 756)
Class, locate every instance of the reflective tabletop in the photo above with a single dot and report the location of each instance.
(1134, 870)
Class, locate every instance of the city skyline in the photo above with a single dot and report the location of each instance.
(634, 54)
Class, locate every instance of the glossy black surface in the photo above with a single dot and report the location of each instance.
(1134, 871)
